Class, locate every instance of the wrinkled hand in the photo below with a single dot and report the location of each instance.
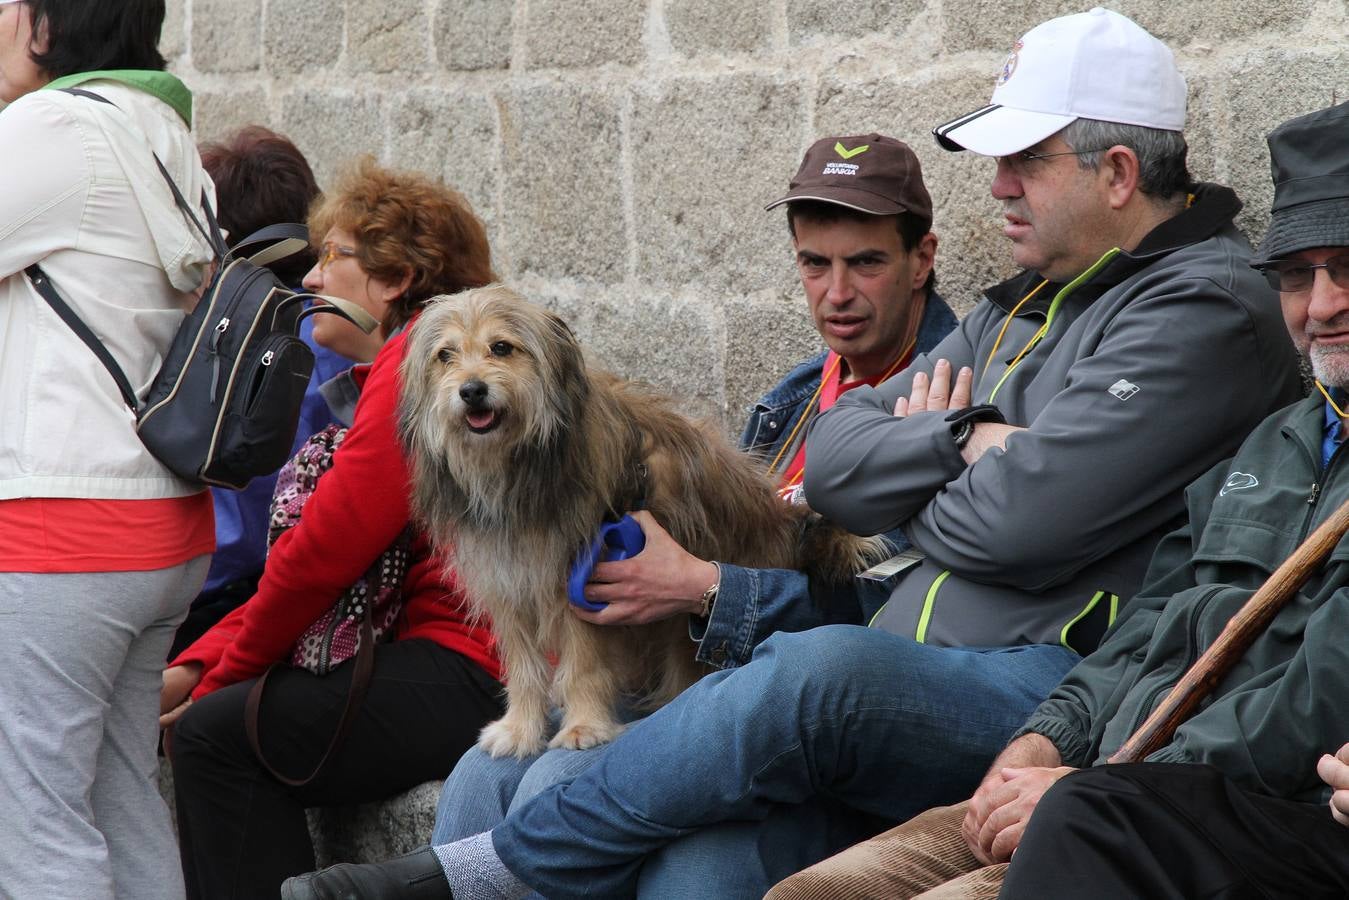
(1001, 808)
(937, 394)
(1334, 771)
(175, 696)
(662, 581)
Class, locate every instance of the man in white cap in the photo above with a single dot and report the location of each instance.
(1134, 353)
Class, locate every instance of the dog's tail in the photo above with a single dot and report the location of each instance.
(835, 554)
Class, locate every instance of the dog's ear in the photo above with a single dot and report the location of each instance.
(561, 324)
(565, 367)
(567, 358)
(416, 396)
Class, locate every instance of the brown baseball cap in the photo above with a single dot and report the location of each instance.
(870, 173)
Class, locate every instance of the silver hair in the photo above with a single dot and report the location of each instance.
(1162, 172)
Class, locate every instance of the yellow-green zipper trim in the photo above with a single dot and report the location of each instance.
(926, 616)
(1086, 611)
(1054, 308)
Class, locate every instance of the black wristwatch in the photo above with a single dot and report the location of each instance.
(962, 422)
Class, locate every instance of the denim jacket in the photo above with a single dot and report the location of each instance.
(754, 603)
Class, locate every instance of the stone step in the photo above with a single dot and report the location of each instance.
(367, 832)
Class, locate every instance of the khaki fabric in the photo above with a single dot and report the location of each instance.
(925, 857)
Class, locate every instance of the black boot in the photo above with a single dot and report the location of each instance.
(414, 876)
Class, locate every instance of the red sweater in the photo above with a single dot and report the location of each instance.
(355, 513)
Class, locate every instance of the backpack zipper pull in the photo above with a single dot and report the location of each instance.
(220, 328)
(1316, 492)
(267, 358)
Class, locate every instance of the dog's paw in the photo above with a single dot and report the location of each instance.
(507, 737)
(584, 735)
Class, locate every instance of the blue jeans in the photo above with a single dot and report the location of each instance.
(840, 717)
(482, 791)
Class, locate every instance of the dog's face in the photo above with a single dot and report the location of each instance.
(485, 368)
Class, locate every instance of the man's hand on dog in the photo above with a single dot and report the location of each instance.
(938, 394)
(663, 580)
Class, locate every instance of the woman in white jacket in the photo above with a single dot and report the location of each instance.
(101, 547)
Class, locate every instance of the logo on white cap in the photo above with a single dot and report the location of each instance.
(1009, 65)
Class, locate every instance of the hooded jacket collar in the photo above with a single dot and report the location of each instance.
(156, 83)
(1214, 208)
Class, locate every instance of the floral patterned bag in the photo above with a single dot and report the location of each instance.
(335, 636)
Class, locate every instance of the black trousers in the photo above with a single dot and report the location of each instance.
(1156, 831)
(242, 832)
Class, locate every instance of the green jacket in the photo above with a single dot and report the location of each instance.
(1287, 700)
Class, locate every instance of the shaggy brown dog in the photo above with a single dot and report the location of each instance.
(519, 452)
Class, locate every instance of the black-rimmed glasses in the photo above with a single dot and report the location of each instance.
(1290, 276)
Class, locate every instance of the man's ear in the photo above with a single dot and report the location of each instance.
(1119, 168)
(925, 255)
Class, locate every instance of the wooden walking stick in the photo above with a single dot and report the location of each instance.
(1236, 637)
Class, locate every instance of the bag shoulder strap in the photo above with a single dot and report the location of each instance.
(363, 667)
(82, 331)
(214, 239)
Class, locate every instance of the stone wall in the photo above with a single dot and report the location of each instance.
(621, 150)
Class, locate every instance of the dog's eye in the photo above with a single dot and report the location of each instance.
(446, 355)
(501, 348)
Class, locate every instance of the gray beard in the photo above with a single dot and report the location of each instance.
(1330, 367)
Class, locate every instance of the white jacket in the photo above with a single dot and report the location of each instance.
(80, 194)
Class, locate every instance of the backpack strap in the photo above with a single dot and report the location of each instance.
(82, 331)
(283, 239)
(214, 239)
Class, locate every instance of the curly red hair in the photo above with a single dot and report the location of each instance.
(404, 222)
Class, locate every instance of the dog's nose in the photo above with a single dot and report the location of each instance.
(474, 393)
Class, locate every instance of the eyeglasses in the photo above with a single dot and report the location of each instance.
(1026, 156)
(1289, 276)
(327, 252)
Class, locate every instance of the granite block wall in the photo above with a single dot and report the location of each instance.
(621, 150)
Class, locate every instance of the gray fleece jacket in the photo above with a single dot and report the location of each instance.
(1153, 366)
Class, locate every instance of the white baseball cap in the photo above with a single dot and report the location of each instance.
(1092, 65)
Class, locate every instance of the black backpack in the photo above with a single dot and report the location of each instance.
(225, 404)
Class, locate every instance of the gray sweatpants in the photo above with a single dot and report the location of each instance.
(81, 657)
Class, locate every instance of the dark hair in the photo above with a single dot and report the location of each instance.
(88, 35)
(405, 222)
(261, 178)
(911, 228)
